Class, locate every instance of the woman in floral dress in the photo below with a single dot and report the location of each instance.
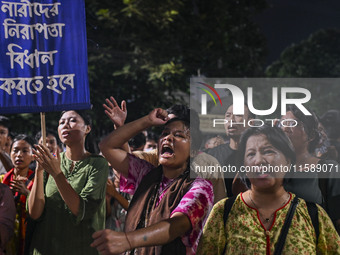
(257, 216)
(168, 209)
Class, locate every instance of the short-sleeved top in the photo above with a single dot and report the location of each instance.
(7, 214)
(305, 187)
(308, 186)
(199, 165)
(244, 233)
(226, 156)
(223, 153)
(150, 156)
(17, 243)
(58, 231)
(195, 204)
(2, 167)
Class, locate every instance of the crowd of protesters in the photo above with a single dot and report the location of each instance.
(142, 195)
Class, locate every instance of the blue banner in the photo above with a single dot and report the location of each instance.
(43, 60)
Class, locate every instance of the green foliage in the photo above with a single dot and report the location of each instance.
(316, 57)
(147, 50)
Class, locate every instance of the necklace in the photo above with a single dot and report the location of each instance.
(73, 164)
(272, 215)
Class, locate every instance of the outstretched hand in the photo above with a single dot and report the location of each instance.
(116, 114)
(47, 161)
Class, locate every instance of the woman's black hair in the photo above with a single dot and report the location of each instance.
(83, 114)
(151, 136)
(90, 144)
(195, 132)
(184, 120)
(310, 124)
(137, 141)
(25, 138)
(179, 110)
(275, 136)
(4, 121)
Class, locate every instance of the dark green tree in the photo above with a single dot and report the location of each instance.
(146, 51)
(316, 57)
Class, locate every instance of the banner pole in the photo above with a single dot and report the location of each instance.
(43, 128)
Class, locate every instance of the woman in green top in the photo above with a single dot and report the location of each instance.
(68, 201)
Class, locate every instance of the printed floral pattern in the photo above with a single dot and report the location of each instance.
(245, 235)
(196, 203)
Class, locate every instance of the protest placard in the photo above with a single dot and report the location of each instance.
(43, 64)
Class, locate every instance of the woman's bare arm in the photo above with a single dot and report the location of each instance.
(111, 242)
(51, 165)
(36, 199)
(111, 146)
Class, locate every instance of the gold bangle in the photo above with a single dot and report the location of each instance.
(128, 241)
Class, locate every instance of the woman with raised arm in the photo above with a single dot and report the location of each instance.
(68, 195)
(199, 159)
(168, 208)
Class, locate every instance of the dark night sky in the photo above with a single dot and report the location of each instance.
(289, 21)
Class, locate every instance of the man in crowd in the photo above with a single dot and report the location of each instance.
(234, 126)
(5, 160)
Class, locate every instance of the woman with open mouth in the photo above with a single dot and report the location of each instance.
(168, 209)
(68, 196)
(266, 219)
